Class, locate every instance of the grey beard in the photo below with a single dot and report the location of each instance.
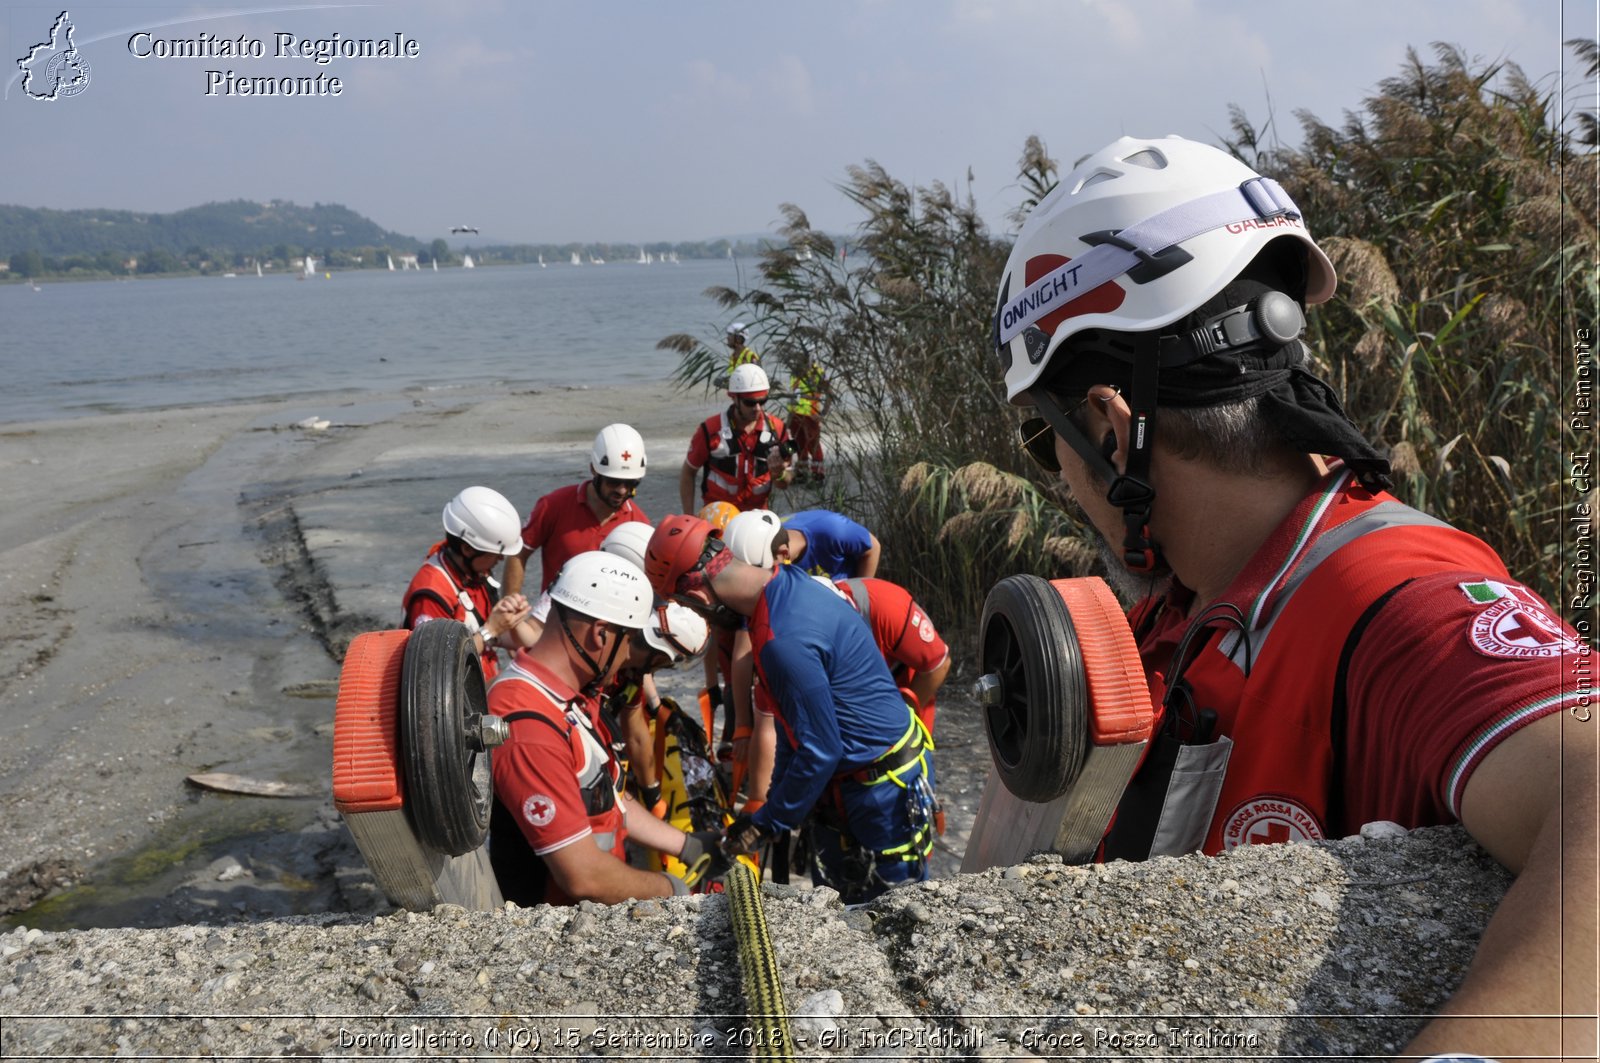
(1129, 588)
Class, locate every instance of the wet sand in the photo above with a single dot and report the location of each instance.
(181, 586)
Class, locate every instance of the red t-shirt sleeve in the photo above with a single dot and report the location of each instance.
(1437, 680)
(917, 644)
(536, 532)
(699, 451)
(535, 779)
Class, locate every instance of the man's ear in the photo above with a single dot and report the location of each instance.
(1112, 418)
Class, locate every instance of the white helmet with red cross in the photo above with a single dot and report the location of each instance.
(618, 453)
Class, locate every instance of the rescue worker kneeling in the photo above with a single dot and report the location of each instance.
(854, 764)
(560, 819)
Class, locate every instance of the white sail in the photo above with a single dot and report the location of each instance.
(258, 269)
(391, 262)
(466, 261)
(541, 261)
(576, 261)
(436, 265)
(311, 266)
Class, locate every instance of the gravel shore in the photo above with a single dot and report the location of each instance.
(1334, 949)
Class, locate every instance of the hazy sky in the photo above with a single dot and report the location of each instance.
(627, 120)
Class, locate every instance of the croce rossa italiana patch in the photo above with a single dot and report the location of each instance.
(1512, 622)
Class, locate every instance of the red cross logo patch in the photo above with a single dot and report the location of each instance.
(1268, 820)
(539, 810)
(1512, 628)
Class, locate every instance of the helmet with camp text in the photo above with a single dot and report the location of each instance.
(603, 586)
(618, 453)
(1137, 236)
(485, 520)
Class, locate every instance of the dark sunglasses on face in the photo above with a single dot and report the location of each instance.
(612, 481)
(1038, 441)
(750, 402)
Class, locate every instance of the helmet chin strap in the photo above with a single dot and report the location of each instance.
(1130, 490)
(597, 671)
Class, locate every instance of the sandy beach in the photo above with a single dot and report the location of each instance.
(182, 585)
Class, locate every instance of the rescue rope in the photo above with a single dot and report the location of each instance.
(763, 992)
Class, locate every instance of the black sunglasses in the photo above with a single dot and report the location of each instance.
(1038, 441)
(1037, 438)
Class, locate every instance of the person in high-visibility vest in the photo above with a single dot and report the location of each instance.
(739, 351)
(806, 410)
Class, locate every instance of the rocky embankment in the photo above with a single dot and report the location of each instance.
(1326, 949)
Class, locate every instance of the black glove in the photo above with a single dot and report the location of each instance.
(742, 836)
(703, 857)
(649, 795)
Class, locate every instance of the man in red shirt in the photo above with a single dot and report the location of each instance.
(1323, 655)
(741, 453)
(456, 582)
(560, 816)
(917, 657)
(570, 520)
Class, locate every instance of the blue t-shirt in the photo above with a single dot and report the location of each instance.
(834, 542)
(838, 707)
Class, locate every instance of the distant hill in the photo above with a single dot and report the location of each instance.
(238, 226)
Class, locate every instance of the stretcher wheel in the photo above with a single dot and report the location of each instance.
(1034, 688)
(443, 703)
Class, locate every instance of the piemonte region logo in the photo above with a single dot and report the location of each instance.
(55, 69)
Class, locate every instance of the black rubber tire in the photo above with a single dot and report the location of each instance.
(449, 789)
(1039, 728)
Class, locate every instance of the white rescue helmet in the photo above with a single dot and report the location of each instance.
(749, 536)
(749, 379)
(618, 453)
(736, 330)
(629, 540)
(603, 586)
(484, 519)
(1152, 229)
(678, 632)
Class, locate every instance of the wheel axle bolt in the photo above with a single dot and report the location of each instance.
(987, 690)
(487, 731)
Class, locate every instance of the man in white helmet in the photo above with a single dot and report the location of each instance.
(456, 582)
(1365, 661)
(742, 453)
(560, 816)
(739, 349)
(673, 636)
(570, 520)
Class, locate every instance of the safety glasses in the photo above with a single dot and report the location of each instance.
(1037, 435)
(750, 402)
(1038, 440)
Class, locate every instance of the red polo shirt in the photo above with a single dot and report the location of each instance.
(562, 526)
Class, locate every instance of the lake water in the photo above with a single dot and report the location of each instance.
(70, 350)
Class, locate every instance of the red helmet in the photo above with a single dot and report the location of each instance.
(673, 550)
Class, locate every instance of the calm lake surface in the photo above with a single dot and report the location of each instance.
(72, 350)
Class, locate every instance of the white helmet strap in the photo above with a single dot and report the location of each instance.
(1258, 200)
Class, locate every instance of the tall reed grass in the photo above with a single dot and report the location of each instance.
(1459, 210)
